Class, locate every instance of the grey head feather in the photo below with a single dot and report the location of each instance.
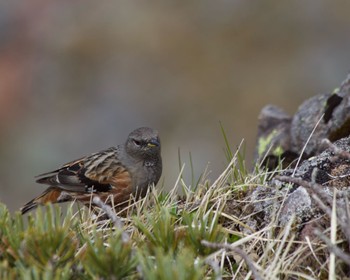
(144, 152)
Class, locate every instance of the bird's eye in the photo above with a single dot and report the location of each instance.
(137, 142)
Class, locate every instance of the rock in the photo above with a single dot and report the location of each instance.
(283, 137)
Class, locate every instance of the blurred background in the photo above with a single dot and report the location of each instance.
(78, 76)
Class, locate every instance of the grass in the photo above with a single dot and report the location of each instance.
(200, 235)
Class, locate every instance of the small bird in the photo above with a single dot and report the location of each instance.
(113, 174)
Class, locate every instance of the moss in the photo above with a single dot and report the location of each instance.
(278, 151)
(265, 142)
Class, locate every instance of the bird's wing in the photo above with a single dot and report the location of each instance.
(99, 172)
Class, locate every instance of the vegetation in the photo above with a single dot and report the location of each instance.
(164, 236)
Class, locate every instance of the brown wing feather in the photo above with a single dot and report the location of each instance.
(121, 189)
(100, 173)
(66, 176)
(121, 186)
(51, 195)
(83, 174)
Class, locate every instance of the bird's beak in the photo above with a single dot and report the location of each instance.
(153, 143)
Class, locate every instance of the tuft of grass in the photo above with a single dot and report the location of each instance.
(45, 247)
(183, 265)
(108, 256)
(240, 171)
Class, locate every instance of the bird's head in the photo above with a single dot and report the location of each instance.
(143, 142)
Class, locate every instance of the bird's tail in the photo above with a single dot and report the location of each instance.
(51, 195)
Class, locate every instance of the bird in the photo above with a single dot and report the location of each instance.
(113, 174)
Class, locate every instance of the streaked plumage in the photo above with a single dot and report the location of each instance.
(116, 172)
